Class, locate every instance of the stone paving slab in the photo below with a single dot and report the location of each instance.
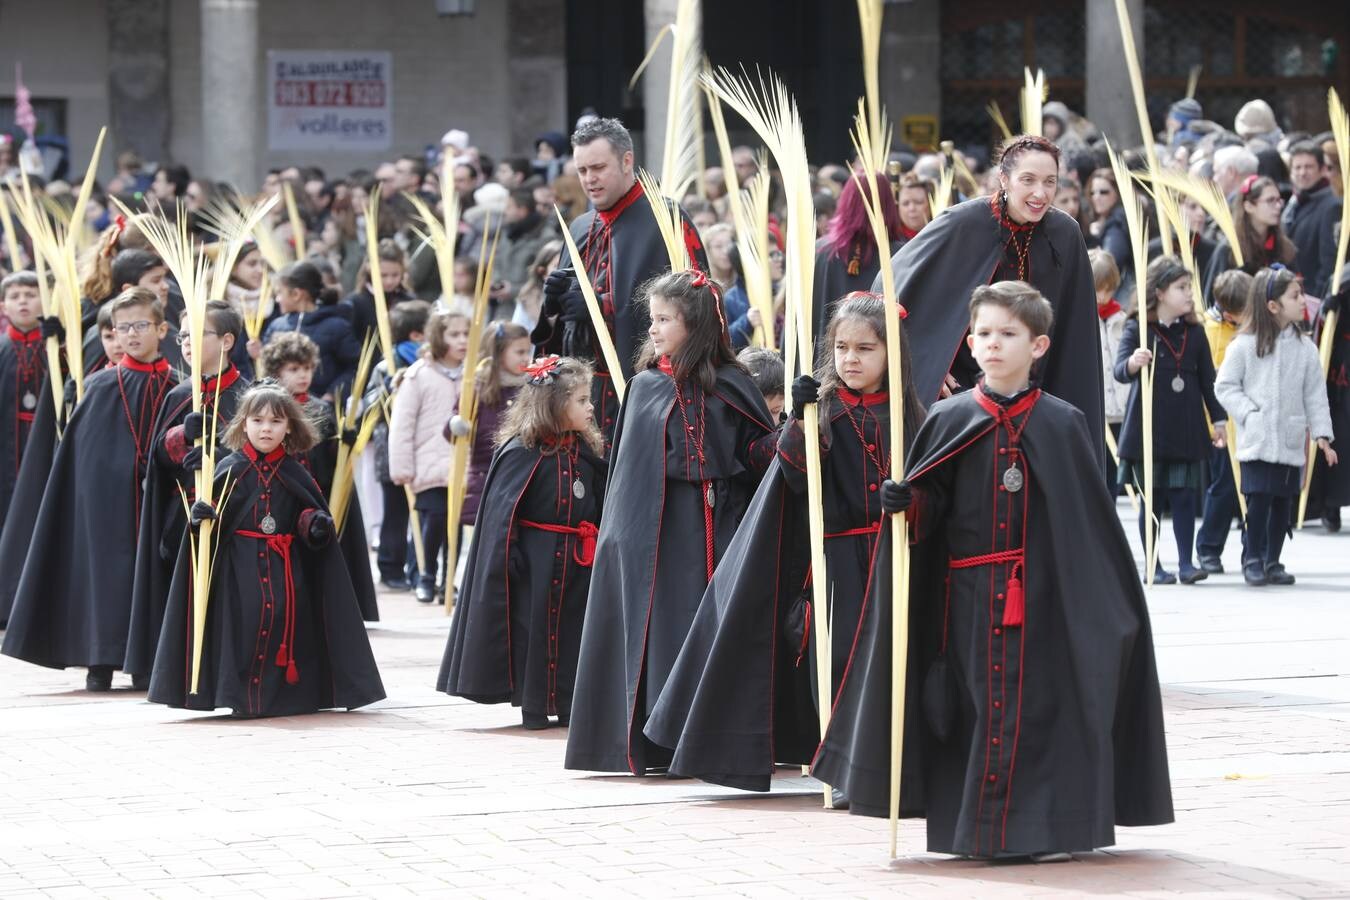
(423, 795)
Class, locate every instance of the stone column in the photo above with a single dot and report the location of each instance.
(232, 102)
(138, 79)
(911, 50)
(1110, 99)
(536, 47)
(655, 83)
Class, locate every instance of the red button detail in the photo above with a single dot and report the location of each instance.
(1000, 596)
(872, 488)
(871, 447)
(255, 681)
(998, 631)
(1002, 525)
(993, 778)
(264, 632)
(1002, 451)
(998, 704)
(997, 667)
(994, 742)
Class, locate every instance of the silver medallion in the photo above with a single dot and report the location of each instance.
(711, 496)
(1178, 384)
(578, 489)
(268, 525)
(1012, 479)
(29, 400)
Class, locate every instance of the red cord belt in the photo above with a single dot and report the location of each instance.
(281, 545)
(1014, 610)
(583, 551)
(874, 528)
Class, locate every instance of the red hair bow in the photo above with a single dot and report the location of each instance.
(1247, 184)
(543, 370)
(699, 279)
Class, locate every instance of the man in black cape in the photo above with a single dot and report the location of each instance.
(1033, 713)
(622, 248)
(73, 602)
(974, 243)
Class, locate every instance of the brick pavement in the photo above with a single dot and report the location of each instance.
(109, 797)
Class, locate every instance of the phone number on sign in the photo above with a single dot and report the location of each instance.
(330, 93)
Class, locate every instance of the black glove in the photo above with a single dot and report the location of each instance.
(1334, 303)
(348, 437)
(320, 529)
(805, 389)
(896, 496)
(52, 328)
(192, 460)
(201, 512)
(192, 427)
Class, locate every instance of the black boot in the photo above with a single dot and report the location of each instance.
(1331, 518)
(140, 682)
(1254, 573)
(99, 679)
(1276, 574)
(533, 721)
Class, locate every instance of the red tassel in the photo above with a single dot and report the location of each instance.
(1015, 608)
(854, 266)
(282, 656)
(292, 673)
(585, 546)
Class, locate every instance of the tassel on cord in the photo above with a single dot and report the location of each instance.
(1014, 610)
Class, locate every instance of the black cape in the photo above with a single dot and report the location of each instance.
(242, 666)
(73, 603)
(650, 567)
(741, 696)
(620, 257)
(163, 520)
(516, 632)
(23, 373)
(322, 464)
(937, 271)
(17, 535)
(834, 282)
(1067, 703)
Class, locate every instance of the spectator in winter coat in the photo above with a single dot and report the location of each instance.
(312, 309)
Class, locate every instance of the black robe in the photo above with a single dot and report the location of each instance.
(965, 247)
(73, 603)
(651, 565)
(622, 249)
(833, 281)
(322, 464)
(516, 632)
(249, 663)
(1331, 484)
(1059, 694)
(23, 373)
(17, 535)
(163, 519)
(741, 697)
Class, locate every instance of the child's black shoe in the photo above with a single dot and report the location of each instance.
(1162, 576)
(99, 679)
(1190, 574)
(1331, 518)
(1254, 573)
(424, 593)
(1276, 574)
(1212, 565)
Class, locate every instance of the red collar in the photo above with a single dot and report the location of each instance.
(1000, 412)
(609, 215)
(252, 453)
(1108, 309)
(226, 379)
(25, 337)
(1270, 242)
(302, 399)
(665, 365)
(1004, 219)
(159, 366)
(850, 398)
(908, 233)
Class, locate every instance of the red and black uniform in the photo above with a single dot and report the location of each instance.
(621, 249)
(73, 603)
(23, 372)
(684, 465)
(516, 633)
(283, 629)
(741, 696)
(1033, 714)
(163, 522)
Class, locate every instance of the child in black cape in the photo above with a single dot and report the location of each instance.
(692, 440)
(516, 631)
(1032, 709)
(741, 695)
(283, 629)
(291, 358)
(172, 476)
(73, 602)
(23, 373)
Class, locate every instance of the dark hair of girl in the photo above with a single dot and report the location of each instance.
(305, 276)
(1268, 285)
(268, 397)
(850, 228)
(1253, 245)
(707, 347)
(1162, 273)
(869, 309)
(496, 338)
(536, 418)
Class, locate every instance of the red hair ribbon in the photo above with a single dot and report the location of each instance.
(543, 370)
(904, 313)
(119, 226)
(699, 279)
(1247, 184)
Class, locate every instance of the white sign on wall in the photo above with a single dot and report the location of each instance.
(329, 100)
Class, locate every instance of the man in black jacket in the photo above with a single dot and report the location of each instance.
(1311, 216)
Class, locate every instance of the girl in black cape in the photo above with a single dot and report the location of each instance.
(1014, 235)
(740, 698)
(516, 632)
(1033, 717)
(283, 629)
(692, 441)
(23, 372)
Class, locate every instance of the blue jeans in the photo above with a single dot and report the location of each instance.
(1221, 508)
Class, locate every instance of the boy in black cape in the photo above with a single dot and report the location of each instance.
(172, 476)
(1033, 713)
(23, 373)
(516, 633)
(283, 629)
(73, 603)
